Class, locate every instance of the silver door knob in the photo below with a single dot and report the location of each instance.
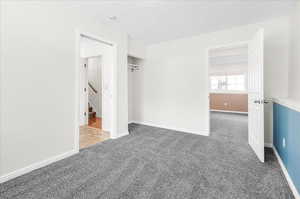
(257, 101)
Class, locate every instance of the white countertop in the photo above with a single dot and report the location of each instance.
(288, 102)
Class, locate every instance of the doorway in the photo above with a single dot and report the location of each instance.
(236, 97)
(228, 96)
(95, 104)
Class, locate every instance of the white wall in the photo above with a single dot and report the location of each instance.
(130, 96)
(295, 55)
(1, 87)
(171, 88)
(38, 81)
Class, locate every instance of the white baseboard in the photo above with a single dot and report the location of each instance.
(121, 135)
(35, 166)
(202, 132)
(287, 176)
(269, 145)
(224, 111)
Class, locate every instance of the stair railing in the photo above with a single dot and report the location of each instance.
(93, 89)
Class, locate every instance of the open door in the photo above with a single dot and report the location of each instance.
(256, 95)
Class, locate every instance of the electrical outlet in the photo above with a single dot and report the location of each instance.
(283, 143)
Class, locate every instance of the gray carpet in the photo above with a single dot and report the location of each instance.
(157, 163)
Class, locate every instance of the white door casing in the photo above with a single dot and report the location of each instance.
(107, 88)
(256, 94)
(83, 110)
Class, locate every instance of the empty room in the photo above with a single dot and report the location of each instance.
(150, 99)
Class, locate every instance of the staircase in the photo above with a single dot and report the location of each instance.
(93, 102)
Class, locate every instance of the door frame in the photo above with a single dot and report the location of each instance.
(78, 35)
(86, 119)
(234, 44)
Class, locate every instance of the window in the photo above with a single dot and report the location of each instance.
(236, 82)
(228, 83)
(218, 82)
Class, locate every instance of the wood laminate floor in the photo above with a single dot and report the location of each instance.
(92, 133)
(96, 122)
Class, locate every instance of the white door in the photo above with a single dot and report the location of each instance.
(83, 93)
(256, 95)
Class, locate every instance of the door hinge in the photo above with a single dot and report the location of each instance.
(84, 113)
(84, 89)
(84, 65)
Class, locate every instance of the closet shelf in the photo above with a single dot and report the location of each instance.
(134, 64)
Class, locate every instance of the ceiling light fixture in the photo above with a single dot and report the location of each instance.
(113, 18)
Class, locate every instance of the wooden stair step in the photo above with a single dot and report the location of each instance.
(92, 114)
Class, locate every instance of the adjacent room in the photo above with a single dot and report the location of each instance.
(95, 109)
(228, 97)
(153, 99)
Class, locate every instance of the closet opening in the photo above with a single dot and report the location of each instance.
(135, 66)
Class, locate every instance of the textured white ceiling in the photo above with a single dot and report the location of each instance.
(157, 21)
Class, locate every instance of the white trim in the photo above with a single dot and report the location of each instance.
(77, 93)
(95, 39)
(223, 111)
(287, 176)
(288, 102)
(208, 88)
(35, 166)
(269, 145)
(233, 45)
(136, 122)
(120, 135)
(201, 132)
